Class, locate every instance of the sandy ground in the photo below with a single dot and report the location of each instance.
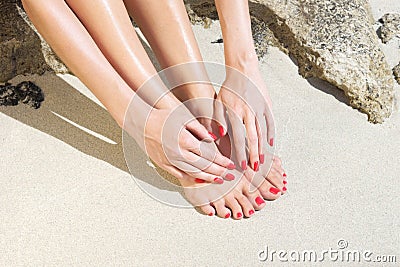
(66, 197)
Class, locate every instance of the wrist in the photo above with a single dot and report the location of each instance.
(242, 60)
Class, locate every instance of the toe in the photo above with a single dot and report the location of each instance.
(254, 196)
(208, 210)
(235, 207)
(275, 178)
(246, 205)
(269, 191)
(222, 210)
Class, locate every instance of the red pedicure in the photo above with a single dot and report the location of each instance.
(221, 131)
(213, 136)
(260, 201)
(284, 189)
(230, 177)
(274, 190)
(262, 158)
(271, 142)
(251, 212)
(227, 215)
(256, 166)
(284, 175)
(210, 214)
(239, 215)
(200, 181)
(244, 165)
(284, 182)
(231, 166)
(218, 180)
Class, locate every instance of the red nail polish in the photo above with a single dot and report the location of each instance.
(213, 136)
(231, 166)
(284, 175)
(284, 189)
(274, 190)
(227, 216)
(251, 212)
(218, 180)
(260, 201)
(210, 214)
(256, 166)
(221, 131)
(262, 158)
(239, 214)
(230, 177)
(271, 142)
(200, 181)
(284, 182)
(244, 165)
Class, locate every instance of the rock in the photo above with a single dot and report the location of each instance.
(333, 40)
(390, 27)
(25, 92)
(396, 73)
(22, 51)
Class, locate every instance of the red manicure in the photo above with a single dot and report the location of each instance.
(244, 165)
(274, 190)
(230, 177)
(239, 214)
(256, 166)
(213, 136)
(200, 181)
(231, 166)
(262, 158)
(284, 189)
(218, 180)
(221, 131)
(284, 182)
(271, 142)
(227, 216)
(251, 212)
(210, 214)
(260, 201)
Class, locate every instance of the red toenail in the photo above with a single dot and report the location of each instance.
(244, 165)
(284, 182)
(218, 180)
(210, 214)
(251, 212)
(213, 136)
(271, 142)
(284, 175)
(230, 177)
(284, 189)
(200, 181)
(227, 215)
(231, 166)
(260, 201)
(274, 190)
(256, 166)
(239, 214)
(262, 158)
(221, 131)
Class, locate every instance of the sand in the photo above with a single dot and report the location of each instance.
(66, 197)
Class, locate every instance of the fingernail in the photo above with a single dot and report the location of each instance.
(213, 136)
(230, 177)
(274, 190)
(284, 175)
(284, 182)
(244, 165)
(200, 181)
(259, 201)
(221, 131)
(256, 166)
(251, 212)
(218, 180)
(284, 188)
(231, 166)
(239, 215)
(227, 215)
(210, 214)
(262, 158)
(271, 142)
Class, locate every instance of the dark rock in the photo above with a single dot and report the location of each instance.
(25, 92)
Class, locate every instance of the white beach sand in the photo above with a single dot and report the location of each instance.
(66, 197)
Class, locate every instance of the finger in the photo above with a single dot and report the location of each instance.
(199, 131)
(239, 139)
(198, 175)
(252, 140)
(269, 119)
(262, 136)
(220, 117)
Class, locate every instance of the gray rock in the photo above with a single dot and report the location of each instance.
(22, 51)
(396, 73)
(333, 40)
(390, 27)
